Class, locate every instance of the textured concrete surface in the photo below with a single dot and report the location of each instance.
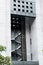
(26, 63)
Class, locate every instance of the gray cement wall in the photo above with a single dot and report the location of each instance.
(34, 40)
(5, 31)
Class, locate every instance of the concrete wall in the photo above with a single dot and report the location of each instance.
(34, 40)
(5, 26)
(33, 35)
(5, 33)
(39, 19)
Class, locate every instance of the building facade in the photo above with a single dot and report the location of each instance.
(23, 33)
(32, 32)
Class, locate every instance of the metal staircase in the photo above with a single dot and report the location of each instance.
(17, 49)
(16, 40)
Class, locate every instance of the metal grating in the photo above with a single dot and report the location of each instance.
(23, 7)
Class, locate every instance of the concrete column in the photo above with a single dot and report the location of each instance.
(34, 40)
(27, 39)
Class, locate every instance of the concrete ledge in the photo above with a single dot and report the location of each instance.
(25, 63)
